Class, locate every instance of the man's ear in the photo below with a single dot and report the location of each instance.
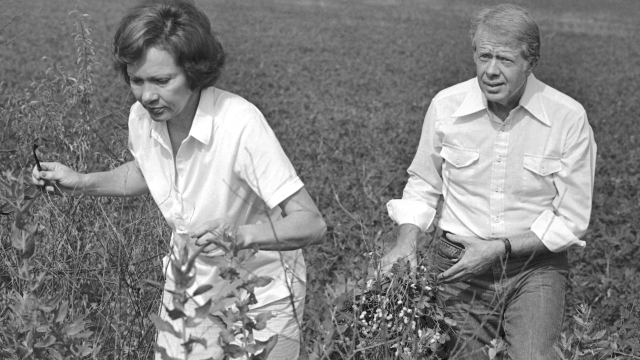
(532, 65)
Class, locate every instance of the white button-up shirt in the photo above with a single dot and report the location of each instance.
(230, 166)
(492, 178)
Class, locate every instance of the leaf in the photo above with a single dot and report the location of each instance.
(230, 274)
(217, 320)
(268, 347)
(195, 340)
(233, 350)
(599, 334)
(192, 260)
(263, 281)
(84, 335)
(74, 328)
(261, 320)
(55, 354)
(202, 311)
(202, 289)
(61, 312)
(175, 313)
(154, 283)
(227, 336)
(85, 350)
(163, 352)
(29, 247)
(16, 238)
(163, 325)
(182, 279)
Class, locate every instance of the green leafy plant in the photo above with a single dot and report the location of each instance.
(32, 325)
(229, 311)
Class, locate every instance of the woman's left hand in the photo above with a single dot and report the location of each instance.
(216, 234)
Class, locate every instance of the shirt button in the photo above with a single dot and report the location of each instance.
(499, 159)
(496, 220)
(542, 169)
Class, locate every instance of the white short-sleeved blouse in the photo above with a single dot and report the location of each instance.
(230, 166)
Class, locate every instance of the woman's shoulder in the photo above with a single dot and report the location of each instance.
(233, 109)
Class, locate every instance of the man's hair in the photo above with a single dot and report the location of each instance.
(510, 22)
(176, 26)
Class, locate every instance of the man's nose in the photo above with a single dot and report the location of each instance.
(492, 67)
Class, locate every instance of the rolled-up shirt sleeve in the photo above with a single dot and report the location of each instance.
(562, 228)
(424, 187)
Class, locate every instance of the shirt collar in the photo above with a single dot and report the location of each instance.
(202, 121)
(531, 100)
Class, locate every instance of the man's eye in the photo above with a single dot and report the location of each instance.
(162, 81)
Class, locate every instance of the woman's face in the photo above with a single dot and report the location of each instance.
(162, 87)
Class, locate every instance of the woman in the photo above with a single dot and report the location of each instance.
(211, 163)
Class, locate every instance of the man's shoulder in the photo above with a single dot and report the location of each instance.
(557, 100)
(457, 91)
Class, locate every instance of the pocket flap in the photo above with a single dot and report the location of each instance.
(459, 157)
(542, 166)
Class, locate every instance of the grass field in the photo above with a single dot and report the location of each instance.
(345, 86)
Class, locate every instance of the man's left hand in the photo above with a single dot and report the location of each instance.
(478, 256)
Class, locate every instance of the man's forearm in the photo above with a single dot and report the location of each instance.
(526, 244)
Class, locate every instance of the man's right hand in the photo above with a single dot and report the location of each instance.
(406, 248)
(57, 178)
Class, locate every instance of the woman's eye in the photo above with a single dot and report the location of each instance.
(135, 81)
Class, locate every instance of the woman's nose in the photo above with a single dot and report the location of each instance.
(149, 94)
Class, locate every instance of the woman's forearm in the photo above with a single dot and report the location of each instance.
(125, 180)
(290, 233)
(301, 225)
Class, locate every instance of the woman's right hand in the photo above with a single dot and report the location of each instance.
(58, 178)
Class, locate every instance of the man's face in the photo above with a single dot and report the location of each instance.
(501, 69)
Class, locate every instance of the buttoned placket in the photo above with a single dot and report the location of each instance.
(176, 183)
(179, 171)
(498, 174)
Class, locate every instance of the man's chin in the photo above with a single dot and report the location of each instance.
(494, 96)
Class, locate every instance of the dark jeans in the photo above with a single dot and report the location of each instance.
(521, 301)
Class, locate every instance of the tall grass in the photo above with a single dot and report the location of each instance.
(345, 87)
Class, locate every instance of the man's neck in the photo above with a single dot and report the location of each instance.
(501, 111)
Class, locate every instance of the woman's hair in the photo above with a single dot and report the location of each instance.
(176, 26)
(509, 22)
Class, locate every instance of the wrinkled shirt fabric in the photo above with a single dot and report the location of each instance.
(231, 166)
(490, 178)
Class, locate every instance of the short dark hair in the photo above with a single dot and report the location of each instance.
(176, 26)
(512, 22)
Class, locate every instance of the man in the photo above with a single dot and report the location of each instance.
(511, 162)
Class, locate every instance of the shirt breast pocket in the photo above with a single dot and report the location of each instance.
(458, 159)
(537, 177)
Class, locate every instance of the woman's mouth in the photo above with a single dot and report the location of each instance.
(156, 110)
